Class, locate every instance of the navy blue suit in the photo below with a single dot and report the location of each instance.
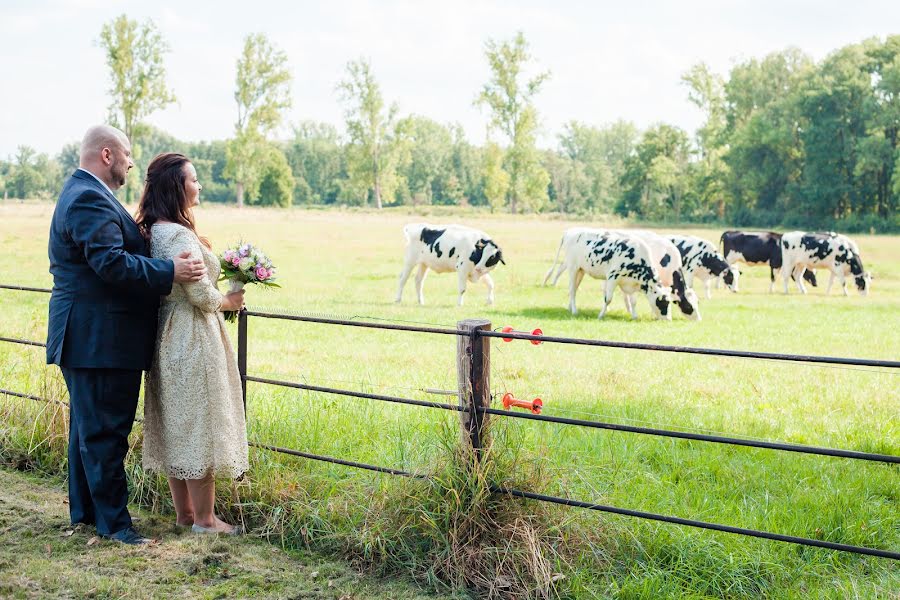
(102, 334)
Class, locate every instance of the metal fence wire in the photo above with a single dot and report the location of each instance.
(468, 405)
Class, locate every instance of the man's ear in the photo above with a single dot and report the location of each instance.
(106, 156)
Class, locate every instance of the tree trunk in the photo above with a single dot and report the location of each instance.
(240, 194)
(377, 196)
(512, 204)
(377, 184)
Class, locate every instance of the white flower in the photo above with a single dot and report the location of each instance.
(245, 264)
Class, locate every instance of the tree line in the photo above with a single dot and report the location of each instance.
(785, 141)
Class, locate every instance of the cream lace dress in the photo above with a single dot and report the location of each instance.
(193, 409)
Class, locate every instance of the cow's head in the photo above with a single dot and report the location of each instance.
(685, 298)
(863, 283)
(861, 277)
(660, 301)
(731, 276)
(486, 256)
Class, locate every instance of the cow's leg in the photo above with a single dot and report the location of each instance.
(404, 277)
(420, 281)
(559, 271)
(632, 304)
(490, 287)
(785, 275)
(462, 276)
(575, 277)
(629, 301)
(798, 277)
(830, 283)
(772, 279)
(843, 280)
(608, 289)
(708, 285)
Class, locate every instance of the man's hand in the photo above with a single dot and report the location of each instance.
(233, 301)
(187, 269)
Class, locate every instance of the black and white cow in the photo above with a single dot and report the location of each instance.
(624, 261)
(665, 258)
(757, 248)
(702, 260)
(469, 252)
(668, 262)
(828, 250)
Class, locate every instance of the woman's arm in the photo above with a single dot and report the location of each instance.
(203, 294)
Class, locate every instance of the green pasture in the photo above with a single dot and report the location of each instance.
(345, 264)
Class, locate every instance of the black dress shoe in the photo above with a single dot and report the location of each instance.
(128, 536)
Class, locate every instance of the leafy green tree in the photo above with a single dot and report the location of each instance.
(429, 148)
(26, 180)
(317, 162)
(262, 94)
(707, 92)
(134, 55)
(601, 154)
(210, 160)
(465, 184)
(276, 187)
(654, 179)
(764, 156)
(69, 157)
(511, 103)
(374, 150)
(496, 179)
(570, 186)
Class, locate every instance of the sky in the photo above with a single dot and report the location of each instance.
(608, 60)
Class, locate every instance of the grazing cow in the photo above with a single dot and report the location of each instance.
(757, 248)
(469, 252)
(829, 250)
(624, 261)
(702, 260)
(665, 259)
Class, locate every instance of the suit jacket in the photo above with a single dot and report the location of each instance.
(106, 289)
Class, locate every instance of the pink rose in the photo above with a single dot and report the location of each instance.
(261, 273)
(269, 273)
(235, 261)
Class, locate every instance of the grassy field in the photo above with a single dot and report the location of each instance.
(346, 264)
(44, 557)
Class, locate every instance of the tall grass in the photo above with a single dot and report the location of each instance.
(448, 530)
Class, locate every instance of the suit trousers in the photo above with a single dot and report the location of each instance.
(102, 405)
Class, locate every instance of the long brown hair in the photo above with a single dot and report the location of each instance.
(163, 198)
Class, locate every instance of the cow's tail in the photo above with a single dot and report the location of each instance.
(556, 261)
(409, 232)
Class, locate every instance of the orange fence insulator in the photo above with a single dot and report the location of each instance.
(533, 405)
(509, 329)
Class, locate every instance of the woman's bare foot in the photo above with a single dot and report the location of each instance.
(216, 524)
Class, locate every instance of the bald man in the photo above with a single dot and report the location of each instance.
(102, 326)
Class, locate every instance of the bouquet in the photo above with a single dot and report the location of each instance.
(243, 264)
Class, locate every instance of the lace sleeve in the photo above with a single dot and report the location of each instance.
(203, 294)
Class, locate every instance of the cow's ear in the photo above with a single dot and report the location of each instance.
(479, 244)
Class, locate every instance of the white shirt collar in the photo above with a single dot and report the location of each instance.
(98, 179)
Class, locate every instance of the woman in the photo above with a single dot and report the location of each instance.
(193, 413)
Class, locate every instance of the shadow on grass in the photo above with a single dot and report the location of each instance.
(563, 314)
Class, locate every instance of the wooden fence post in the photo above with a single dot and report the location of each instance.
(473, 369)
(242, 355)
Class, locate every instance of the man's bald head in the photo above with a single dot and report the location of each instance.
(106, 152)
(99, 137)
